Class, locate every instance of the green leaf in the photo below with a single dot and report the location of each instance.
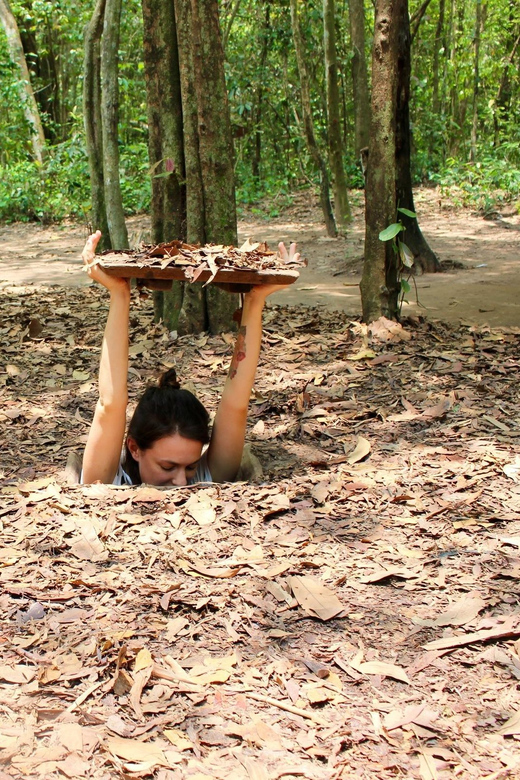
(408, 212)
(391, 231)
(406, 255)
(405, 287)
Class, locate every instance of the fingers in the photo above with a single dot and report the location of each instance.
(292, 255)
(89, 249)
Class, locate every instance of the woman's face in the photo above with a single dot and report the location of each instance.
(172, 460)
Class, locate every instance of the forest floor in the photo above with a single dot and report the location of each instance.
(354, 613)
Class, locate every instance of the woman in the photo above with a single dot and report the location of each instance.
(167, 434)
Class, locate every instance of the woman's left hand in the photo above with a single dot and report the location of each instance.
(262, 291)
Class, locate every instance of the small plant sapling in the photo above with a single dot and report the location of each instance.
(404, 253)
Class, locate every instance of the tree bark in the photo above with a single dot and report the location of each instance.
(165, 121)
(379, 283)
(359, 75)
(165, 141)
(215, 149)
(503, 97)
(439, 33)
(257, 113)
(308, 123)
(425, 258)
(476, 81)
(339, 181)
(30, 107)
(109, 118)
(92, 121)
(417, 18)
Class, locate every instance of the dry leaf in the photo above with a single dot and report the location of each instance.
(510, 627)
(17, 674)
(143, 660)
(463, 611)
(511, 727)
(137, 751)
(361, 450)
(382, 668)
(315, 598)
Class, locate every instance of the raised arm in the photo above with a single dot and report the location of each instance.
(106, 435)
(229, 427)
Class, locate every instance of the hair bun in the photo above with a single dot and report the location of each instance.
(169, 379)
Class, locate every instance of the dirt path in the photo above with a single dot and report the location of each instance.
(485, 291)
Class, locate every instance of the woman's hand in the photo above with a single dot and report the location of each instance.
(92, 267)
(261, 291)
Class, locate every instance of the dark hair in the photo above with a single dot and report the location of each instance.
(163, 410)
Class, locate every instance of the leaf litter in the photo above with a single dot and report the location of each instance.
(354, 612)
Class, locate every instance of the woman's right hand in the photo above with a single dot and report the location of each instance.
(94, 270)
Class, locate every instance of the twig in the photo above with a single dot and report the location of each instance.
(82, 697)
(288, 708)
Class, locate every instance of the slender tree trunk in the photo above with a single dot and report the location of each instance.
(109, 118)
(439, 33)
(165, 141)
(339, 181)
(476, 80)
(30, 107)
(379, 283)
(425, 258)
(215, 149)
(359, 75)
(417, 18)
(503, 97)
(458, 106)
(43, 66)
(92, 121)
(229, 23)
(257, 150)
(195, 206)
(308, 123)
(214, 125)
(165, 121)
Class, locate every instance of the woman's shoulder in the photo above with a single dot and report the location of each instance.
(121, 478)
(203, 474)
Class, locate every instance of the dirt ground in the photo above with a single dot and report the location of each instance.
(485, 291)
(350, 613)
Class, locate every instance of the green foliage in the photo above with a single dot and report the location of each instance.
(487, 184)
(404, 255)
(61, 187)
(264, 95)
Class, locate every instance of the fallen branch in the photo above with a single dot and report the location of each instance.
(288, 708)
(510, 628)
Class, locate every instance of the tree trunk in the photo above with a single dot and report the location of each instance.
(30, 107)
(379, 283)
(359, 75)
(109, 119)
(339, 181)
(257, 114)
(44, 67)
(417, 18)
(425, 258)
(476, 81)
(92, 121)
(190, 149)
(503, 97)
(165, 141)
(458, 106)
(215, 149)
(308, 123)
(439, 33)
(165, 124)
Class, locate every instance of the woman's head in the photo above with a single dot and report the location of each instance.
(166, 434)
